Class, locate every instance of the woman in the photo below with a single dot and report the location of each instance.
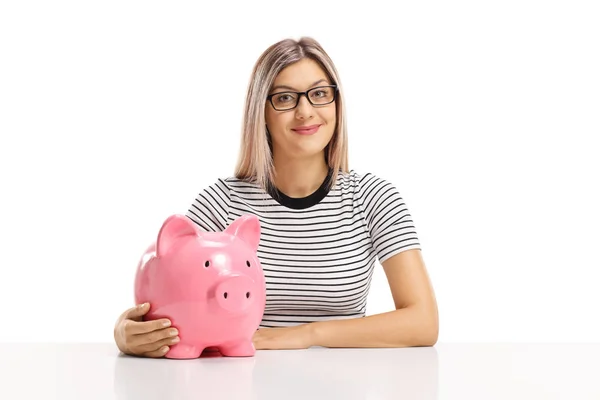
(323, 226)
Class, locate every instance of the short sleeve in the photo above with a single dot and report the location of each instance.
(210, 208)
(387, 218)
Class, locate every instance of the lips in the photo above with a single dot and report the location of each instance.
(306, 130)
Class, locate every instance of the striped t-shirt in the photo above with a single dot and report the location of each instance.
(317, 252)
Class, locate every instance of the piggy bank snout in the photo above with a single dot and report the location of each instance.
(236, 293)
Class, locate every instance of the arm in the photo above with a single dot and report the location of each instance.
(413, 323)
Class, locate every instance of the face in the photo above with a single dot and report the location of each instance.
(288, 137)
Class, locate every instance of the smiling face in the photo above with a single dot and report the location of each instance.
(288, 130)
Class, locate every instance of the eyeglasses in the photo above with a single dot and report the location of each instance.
(318, 96)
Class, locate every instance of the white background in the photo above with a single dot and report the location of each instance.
(486, 116)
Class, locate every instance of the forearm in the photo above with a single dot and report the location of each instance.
(406, 327)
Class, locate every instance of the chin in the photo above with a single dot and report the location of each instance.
(311, 152)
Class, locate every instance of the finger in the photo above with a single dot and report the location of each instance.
(156, 353)
(153, 340)
(143, 327)
(157, 336)
(156, 345)
(137, 311)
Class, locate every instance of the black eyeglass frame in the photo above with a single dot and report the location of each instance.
(305, 93)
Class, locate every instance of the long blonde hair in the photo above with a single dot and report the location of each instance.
(255, 160)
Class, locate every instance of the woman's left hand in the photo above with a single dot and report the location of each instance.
(286, 338)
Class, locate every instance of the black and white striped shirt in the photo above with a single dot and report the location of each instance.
(317, 252)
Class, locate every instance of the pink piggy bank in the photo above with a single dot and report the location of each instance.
(209, 284)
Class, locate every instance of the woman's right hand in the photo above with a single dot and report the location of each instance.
(136, 337)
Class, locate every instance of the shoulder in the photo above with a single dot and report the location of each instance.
(364, 182)
(375, 195)
(229, 184)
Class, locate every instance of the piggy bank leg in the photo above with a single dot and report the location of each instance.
(183, 351)
(243, 348)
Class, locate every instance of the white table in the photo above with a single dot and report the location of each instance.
(446, 371)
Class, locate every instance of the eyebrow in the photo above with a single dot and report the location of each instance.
(291, 88)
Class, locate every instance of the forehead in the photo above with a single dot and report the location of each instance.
(301, 75)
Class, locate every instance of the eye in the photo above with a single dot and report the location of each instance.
(248, 264)
(207, 263)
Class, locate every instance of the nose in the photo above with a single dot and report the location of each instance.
(236, 293)
(304, 109)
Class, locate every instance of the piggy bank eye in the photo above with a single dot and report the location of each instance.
(206, 264)
(248, 264)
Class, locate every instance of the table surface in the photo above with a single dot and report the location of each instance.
(445, 371)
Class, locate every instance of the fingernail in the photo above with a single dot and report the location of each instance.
(173, 332)
(175, 340)
(164, 348)
(167, 323)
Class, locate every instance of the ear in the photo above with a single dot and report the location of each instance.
(172, 229)
(247, 228)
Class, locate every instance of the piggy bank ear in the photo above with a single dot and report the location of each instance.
(247, 228)
(172, 229)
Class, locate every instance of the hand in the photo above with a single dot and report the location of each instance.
(143, 338)
(294, 337)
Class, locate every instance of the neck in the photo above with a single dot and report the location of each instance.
(300, 177)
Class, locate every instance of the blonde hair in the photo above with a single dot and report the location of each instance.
(255, 160)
